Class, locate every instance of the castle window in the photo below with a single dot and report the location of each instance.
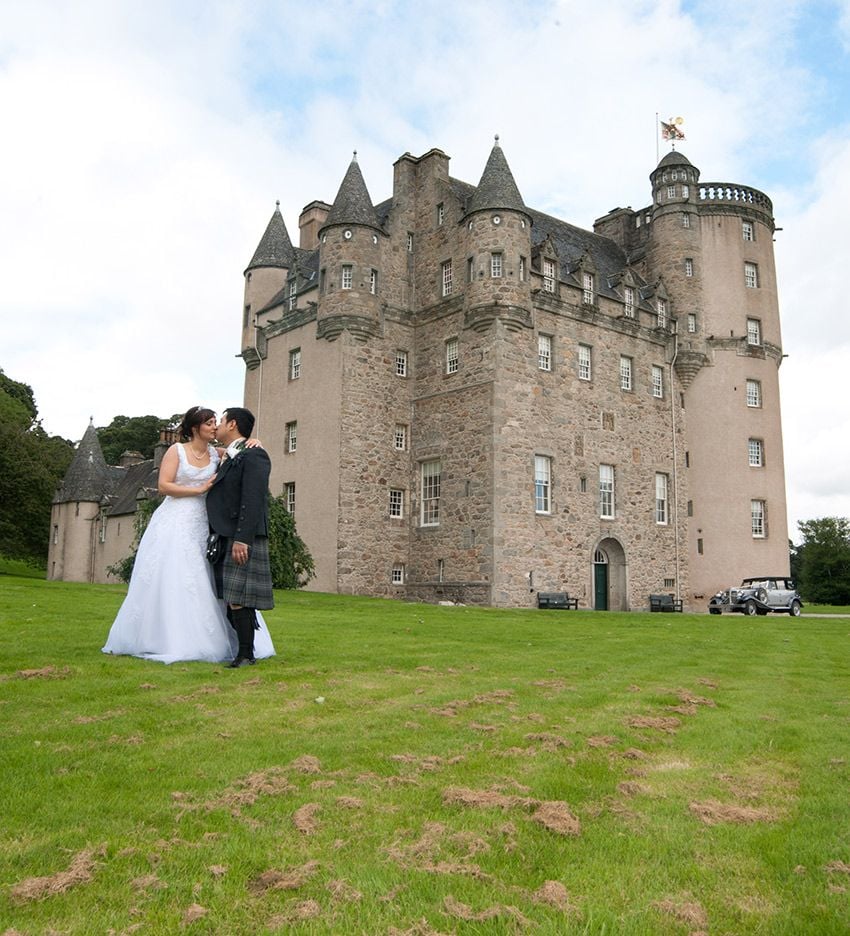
(755, 449)
(754, 393)
(625, 373)
(246, 316)
(295, 364)
(373, 282)
(542, 484)
(661, 485)
(685, 191)
(522, 269)
(629, 300)
(396, 503)
(55, 534)
(400, 437)
(397, 575)
(661, 312)
(757, 512)
(430, 480)
(671, 191)
(748, 231)
(686, 220)
(291, 436)
(347, 276)
(606, 491)
(452, 356)
(323, 277)
(587, 296)
(401, 363)
(409, 242)
(293, 289)
(446, 277)
(657, 382)
(582, 484)
(584, 366)
(549, 276)
(753, 331)
(751, 275)
(289, 496)
(544, 352)
(495, 265)
(692, 323)
(441, 569)
(470, 270)
(689, 266)
(441, 214)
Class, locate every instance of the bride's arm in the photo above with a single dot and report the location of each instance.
(168, 473)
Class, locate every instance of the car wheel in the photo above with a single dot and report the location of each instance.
(761, 594)
(762, 612)
(795, 608)
(714, 611)
(750, 608)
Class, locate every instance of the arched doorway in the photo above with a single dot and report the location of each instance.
(609, 576)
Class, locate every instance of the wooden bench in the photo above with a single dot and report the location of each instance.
(556, 601)
(664, 603)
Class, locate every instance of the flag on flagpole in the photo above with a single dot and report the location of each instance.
(671, 130)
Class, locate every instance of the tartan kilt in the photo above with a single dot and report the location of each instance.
(248, 585)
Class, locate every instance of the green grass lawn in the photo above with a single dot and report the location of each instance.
(408, 769)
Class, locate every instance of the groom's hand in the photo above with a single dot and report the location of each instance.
(239, 551)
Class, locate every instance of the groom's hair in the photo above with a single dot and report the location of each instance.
(244, 419)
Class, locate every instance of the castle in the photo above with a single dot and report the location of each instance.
(467, 399)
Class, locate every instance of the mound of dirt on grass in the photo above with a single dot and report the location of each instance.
(667, 723)
(837, 867)
(549, 741)
(194, 912)
(307, 764)
(556, 817)
(342, 892)
(304, 818)
(602, 741)
(422, 928)
(713, 812)
(688, 698)
(461, 911)
(46, 672)
(79, 871)
(302, 910)
(553, 894)
(486, 799)
(689, 912)
(290, 879)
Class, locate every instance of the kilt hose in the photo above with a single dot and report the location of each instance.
(248, 585)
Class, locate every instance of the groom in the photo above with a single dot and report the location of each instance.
(237, 509)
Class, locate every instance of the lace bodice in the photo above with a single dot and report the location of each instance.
(191, 476)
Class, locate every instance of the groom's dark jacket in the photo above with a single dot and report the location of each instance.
(237, 503)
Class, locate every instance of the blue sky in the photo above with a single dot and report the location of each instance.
(147, 143)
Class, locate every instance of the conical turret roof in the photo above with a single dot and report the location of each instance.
(674, 158)
(87, 477)
(353, 204)
(275, 247)
(497, 188)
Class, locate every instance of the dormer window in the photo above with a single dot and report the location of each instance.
(629, 301)
(549, 276)
(587, 296)
(293, 288)
(661, 312)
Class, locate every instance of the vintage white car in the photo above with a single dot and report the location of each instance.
(759, 595)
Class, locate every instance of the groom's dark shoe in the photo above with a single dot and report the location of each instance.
(241, 661)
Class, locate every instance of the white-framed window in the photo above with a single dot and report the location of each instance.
(692, 323)
(671, 191)
(441, 214)
(587, 292)
(625, 373)
(661, 486)
(496, 265)
(754, 393)
(373, 282)
(441, 570)
(446, 277)
(686, 220)
(347, 276)
(293, 289)
(629, 301)
(401, 363)
(606, 491)
(410, 242)
(657, 382)
(452, 356)
(542, 484)
(544, 352)
(584, 362)
(397, 574)
(295, 364)
(753, 331)
(757, 514)
(549, 279)
(430, 473)
(748, 231)
(522, 269)
(751, 275)
(396, 502)
(289, 496)
(755, 451)
(291, 436)
(400, 437)
(685, 190)
(689, 266)
(661, 312)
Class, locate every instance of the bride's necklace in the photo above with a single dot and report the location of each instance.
(195, 455)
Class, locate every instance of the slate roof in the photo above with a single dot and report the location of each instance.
(352, 204)
(128, 482)
(88, 477)
(497, 188)
(275, 248)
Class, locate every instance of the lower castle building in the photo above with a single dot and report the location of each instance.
(467, 399)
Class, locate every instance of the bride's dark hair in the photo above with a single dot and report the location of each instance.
(194, 417)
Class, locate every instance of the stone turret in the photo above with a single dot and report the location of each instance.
(87, 478)
(350, 246)
(498, 239)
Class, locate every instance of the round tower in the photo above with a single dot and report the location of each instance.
(350, 246)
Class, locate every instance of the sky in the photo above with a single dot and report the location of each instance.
(146, 144)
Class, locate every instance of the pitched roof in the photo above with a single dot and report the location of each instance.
(497, 188)
(88, 477)
(352, 204)
(275, 247)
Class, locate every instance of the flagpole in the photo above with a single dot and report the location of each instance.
(657, 146)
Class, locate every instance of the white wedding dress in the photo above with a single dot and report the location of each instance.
(171, 611)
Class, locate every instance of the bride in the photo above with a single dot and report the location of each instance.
(171, 611)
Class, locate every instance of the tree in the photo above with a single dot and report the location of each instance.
(824, 576)
(291, 562)
(131, 434)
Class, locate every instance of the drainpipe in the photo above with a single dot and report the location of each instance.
(675, 462)
(260, 382)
